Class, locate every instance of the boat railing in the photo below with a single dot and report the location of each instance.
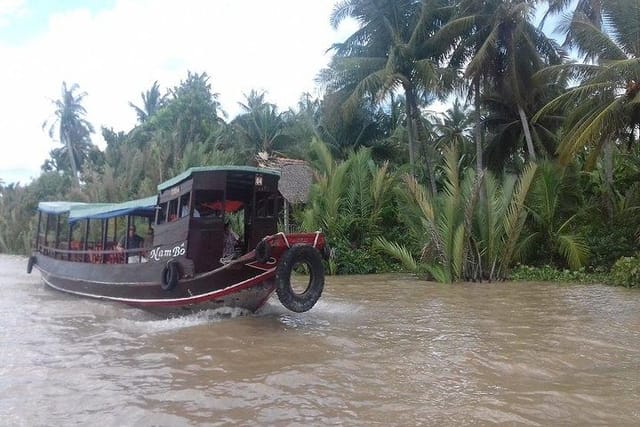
(96, 254)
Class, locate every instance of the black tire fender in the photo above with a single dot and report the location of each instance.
(300, 254)
(263, 251)
(30, 263)
(170, 275)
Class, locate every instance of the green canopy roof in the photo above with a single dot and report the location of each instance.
(78, 210)
(62, 207)
(187, 174)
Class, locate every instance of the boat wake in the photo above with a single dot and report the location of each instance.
(141, 322)
(170, 324)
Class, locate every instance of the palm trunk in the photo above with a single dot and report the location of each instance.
(608, 175)
(74, 167)
(411, 134)
(527, 133)
(418, 133)
(478, 128)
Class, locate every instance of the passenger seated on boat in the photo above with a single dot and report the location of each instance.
(230, 240)
(185, 211)
(133, 242)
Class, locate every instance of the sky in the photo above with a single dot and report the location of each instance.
(116, 49)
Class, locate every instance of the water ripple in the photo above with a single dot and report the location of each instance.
(376, 350)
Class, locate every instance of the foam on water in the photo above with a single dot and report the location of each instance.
(156, 325)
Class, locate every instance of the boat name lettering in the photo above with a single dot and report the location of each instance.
(158, 253)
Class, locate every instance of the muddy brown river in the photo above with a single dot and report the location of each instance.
(384, 350)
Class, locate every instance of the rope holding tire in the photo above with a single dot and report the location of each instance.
(300, 254)
(30, 263)
(170, 275)
(263, 252)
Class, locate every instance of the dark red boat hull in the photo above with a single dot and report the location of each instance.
(244, 284)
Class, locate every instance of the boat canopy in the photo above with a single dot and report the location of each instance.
(77, 210)
(57, 208)
(189, 172)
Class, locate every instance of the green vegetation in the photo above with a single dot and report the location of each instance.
(547, 273)
(533, 173)
(626, 272)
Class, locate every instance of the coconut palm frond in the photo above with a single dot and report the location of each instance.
(484, 52)
(397, 251)
(515, 215)
(451, 172)
(592, 42)
(419, 196)
(381, 190)
(488, 218)
(325, 162)
(368, 86)
(439, 273)
(604, 123)
(573, 97)
(573, 249)
(458, 252)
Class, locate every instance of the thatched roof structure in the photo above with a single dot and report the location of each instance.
(296, 176)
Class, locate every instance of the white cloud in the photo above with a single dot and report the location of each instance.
(116, 54)
(10, 8)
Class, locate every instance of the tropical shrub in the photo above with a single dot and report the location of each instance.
(359, 260)
(469, 231)
(551, 236)
(547, 273)
(351, 202)
(609, 242)
(626, 272)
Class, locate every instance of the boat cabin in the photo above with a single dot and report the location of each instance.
(194, 207)
(185, 221)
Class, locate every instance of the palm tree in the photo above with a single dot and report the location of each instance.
(390, 52)
(260, 125)
(439, 224)
(605, 105)
(364, 127)
(351, 200)
(584, 10)
(152, 101)
(458, 234)
(499, 48)
(454, 128)
(550, 230)
(505, 134)
(71, 127)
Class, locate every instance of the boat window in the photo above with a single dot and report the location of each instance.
(209, 203)
(78, 230)
(94, 238)
(265, 204)
(173, 210)
(161, 215)
(63, 232)
(50, 230)
(185, 209)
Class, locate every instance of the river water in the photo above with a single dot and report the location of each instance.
(384, 350)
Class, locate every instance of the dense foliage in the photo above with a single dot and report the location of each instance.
(536, 162)
(626, 272)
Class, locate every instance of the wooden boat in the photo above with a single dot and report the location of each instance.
(78, 247)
